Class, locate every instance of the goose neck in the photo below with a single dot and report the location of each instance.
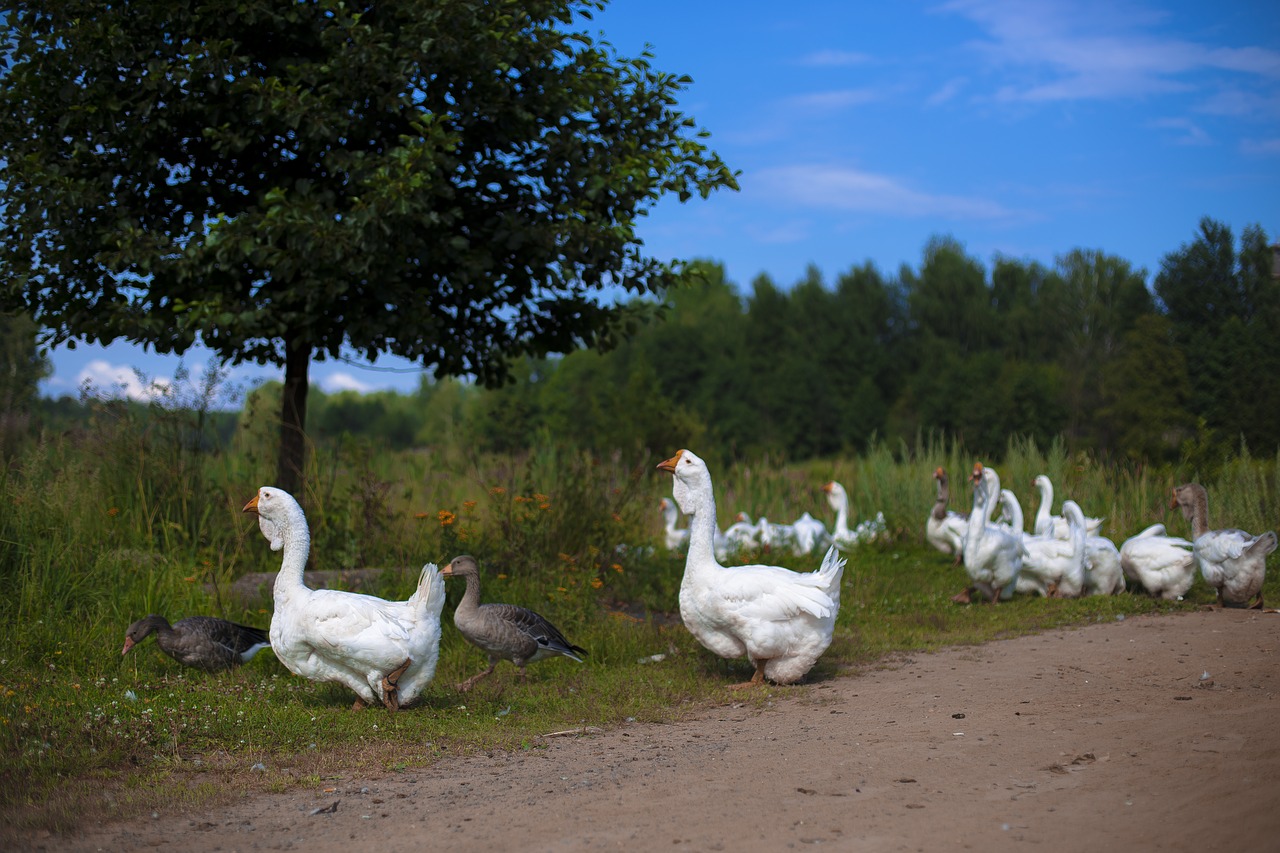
(702, 529)
(296, 549)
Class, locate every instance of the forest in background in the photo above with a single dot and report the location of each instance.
(1084, 352)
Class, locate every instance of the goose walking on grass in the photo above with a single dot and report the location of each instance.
(384, 651)
(503, 631)
(202, 642)
(1162, 565)
(1231, 561)
(1047, 524)
(992, 556)
(677, 538)
(781, 620)
(945, 528)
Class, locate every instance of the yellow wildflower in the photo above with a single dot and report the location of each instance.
(596, 583)
(114, 511)
(468, 505)
(446, 517)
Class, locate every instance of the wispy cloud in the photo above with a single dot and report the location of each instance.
(117, 380)
(1264, 147)
(844, 188)
(336, 382)
(833, 101)
(947, 92)
(829, 58)
(1098, 49)
(1187, 131)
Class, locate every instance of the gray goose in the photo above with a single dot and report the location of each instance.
(503, 631)
(202, 642)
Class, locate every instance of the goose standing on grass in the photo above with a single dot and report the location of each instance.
(677, 538)
(780, 619)
(945, 528)
(1103, 574)
(384, 651)
(1231, 561)
(841, 536)
(1050, 566)
(1162, 565)
(992, 556)
(743, 534)
(503, 631)
(1047, 524)
(809, 534)
(203, 642)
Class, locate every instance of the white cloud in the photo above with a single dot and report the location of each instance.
(834, 100)
(844, 188)
(336, 382)
(948, 90)
(1189, 133)
(1266, 147)
(113, 380)
(835, 58)
(1099, 49)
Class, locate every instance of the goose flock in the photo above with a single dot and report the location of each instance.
(1065, 556)
(780, 620)
(806, 535)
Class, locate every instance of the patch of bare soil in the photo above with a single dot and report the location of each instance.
(1152, 733)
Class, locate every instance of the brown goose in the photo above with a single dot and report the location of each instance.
(503, 631)
(203, 642)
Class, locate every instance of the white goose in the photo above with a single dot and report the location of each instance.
(1055, 525)
(384, 651)
(809, 534)
(1162, 565)
(992, 557)
(676, 538)
(1103, 574)
(743, 534)
(1050, 566)
(1231, 561)
(945, 528)
(842, 536)
(780, 619)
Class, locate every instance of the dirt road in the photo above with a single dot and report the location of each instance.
(1152, 733)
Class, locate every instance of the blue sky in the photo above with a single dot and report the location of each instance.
(1022, 128)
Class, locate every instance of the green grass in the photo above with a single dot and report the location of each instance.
(100, 529)
(86, 732)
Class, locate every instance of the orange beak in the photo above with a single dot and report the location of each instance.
(251, 506)
(669, 465)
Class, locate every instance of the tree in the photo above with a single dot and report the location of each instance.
(451, 181)
(21, 369)
(1224, 307)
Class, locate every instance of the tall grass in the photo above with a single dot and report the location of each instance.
(139, 514)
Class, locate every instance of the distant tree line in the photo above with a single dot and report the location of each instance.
(1084, 351)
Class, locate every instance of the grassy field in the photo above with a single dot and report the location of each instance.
(127, 519)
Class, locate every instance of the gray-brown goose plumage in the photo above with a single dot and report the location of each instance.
(203, 642)
(503, 631)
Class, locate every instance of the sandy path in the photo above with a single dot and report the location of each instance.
(1102, 738)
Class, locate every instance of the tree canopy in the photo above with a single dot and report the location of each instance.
(452, 182)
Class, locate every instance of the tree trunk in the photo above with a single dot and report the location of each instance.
(293, 419)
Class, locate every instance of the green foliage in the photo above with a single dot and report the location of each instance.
(133, 515)
(453, 183)
(22, 367)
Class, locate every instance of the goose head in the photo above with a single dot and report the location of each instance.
(691, 477)
(276, 510)
(836, 495)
